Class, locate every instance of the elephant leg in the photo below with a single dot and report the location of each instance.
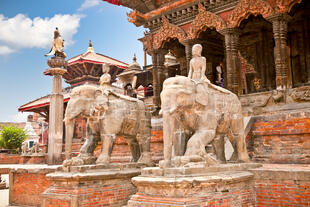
(134, 148)
(90, 144)
(107, 147)
(219, 147)
(144, 143)
(69, 135)
(196, 144)
(144, 137)
(237, 138)
(169, 126)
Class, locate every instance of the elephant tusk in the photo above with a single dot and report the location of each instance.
(160, 112)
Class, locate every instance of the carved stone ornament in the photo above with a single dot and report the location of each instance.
(301, 94)
(284, 6)
(205, 19)
(247, 7)
(166, 31)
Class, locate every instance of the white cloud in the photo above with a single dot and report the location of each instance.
(19, 117)
(5, 50)
(89, 3)
(22, 32)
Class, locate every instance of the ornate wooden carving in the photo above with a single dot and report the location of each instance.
(136, 18)
(284, 6)
(247, 7)
(205, 19)
(166, 31)
(147, 42)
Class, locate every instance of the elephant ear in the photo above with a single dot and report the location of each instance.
(202, 94)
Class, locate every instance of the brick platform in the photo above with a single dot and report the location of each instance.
(281, 138)
(282, 185)
(90, 188)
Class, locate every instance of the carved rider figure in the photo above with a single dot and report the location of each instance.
(197, 73)
(197, 66)
(105, 79)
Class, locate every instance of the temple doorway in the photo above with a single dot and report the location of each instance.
(256, 55)
(176, 49)
(213, 50)
(299, 43)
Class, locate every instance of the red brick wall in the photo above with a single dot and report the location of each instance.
(282, 138)
(121, 151)
(27, 188)
(9, 158)
(59, 203)
(112, 192)
(289, 186)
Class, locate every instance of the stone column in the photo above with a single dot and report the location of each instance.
(55, 132)
(188, 52)
(158, 58)
(233, 76)
(279, 25)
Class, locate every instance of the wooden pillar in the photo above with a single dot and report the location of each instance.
(188, 53)
(233, 78)
(158, 58)
(279, 25)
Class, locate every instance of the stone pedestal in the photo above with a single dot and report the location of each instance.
(33, 159)
(223, 185)
(92, 185)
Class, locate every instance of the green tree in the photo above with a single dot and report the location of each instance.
(12, 137)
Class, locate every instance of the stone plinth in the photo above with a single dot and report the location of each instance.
(92, 185)
(224, 185)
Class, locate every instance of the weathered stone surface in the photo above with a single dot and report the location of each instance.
(199, 169)
(194, 190)
(201, 112)
(109, 114)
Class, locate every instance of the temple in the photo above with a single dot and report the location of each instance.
(263, 46)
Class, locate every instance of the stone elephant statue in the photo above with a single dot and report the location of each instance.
(108, 114)
(207, 113)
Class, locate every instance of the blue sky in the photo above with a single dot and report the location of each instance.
(26, 31)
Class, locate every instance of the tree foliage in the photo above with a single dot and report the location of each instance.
(12, 137)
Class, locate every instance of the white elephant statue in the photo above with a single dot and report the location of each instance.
(108, 114)
(207, 113)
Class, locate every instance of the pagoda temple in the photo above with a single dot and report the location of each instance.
(258, 49)
(85, 68)
(262, 45)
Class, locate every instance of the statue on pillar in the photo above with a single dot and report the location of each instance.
(57, 46)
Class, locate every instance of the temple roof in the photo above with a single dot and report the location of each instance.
(40, 103)
(97, 58)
